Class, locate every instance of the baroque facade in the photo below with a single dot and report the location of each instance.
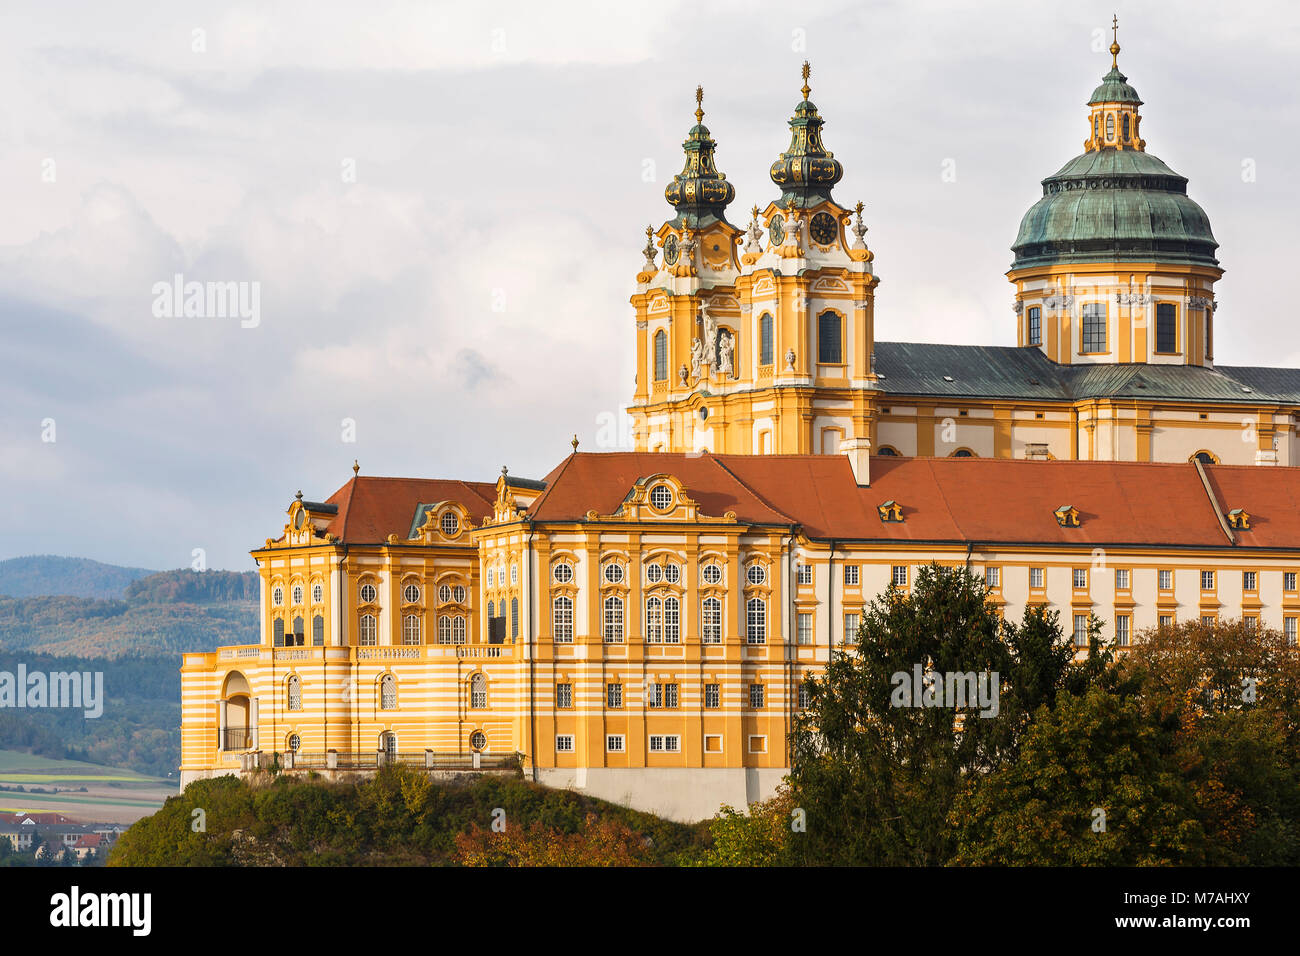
(639, 625)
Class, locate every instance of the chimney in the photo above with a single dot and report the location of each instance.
(859, 452)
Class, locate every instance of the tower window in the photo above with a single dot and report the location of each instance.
(1125, 127)
(1035, 326)
(765, 339)
(1110, 127)
(829, 351)
(661, 356)
(1166, 327)
(1094, 327)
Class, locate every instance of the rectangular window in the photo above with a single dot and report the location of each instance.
(1288, 581)
(1207, 580)
(665, 743)
(1250, 623)
(1035, 577)
(712, 695)
(561, 620)
(1166, 580)
(670, 695)
(1207, 619)
(564, 743)
(805, 574)
(1166, 620)
(755, 695)
(654, 695)
(1122, 630)
(851, 575)
(851, 624)
(1080, 630)
(614, 743)
(711, 618)
(1166, 327)
(1289, 630)
(804, 695)
(1121, 579)
(899, 573)
(1094, 327)
(1248, 580)
(756, 621)
(613, 695)
(829, 351)
(1080, 579)
(563, 695)
(805, 628)
(993, 577)
(1035, 325)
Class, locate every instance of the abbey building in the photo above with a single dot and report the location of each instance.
(640, 625)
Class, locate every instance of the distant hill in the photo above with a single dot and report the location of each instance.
(165, 612)
(40, 574)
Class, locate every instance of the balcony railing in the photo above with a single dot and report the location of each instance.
(235, 739)
(424, 759)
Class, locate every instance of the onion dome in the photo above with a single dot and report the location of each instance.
(807, 170)
(699, 192)
(1115, 202)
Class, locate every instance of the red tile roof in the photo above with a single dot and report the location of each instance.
(370, 509)
(1269, 494)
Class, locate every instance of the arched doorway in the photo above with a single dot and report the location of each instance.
(238, 719)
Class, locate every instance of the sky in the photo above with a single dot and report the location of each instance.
(441, 207)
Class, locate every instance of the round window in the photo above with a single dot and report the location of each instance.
(613, 573)
(712, 574)
(294, 742)
(368, 593)
(300, 519)
(277, 596)
(450, 523)
(757, 574)
(444, 594)
(458, 593)
(411, 593)
(661, 496)
(478, 740)
(671, 573)
(654, 574)
(563, 573)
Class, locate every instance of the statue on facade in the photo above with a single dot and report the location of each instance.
(725, 353)
(697, 357)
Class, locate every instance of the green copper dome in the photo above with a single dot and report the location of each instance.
(807, 170)
(699, 193)
(1112, 205)
(1114, 89)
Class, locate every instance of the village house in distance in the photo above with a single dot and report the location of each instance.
(639, 625)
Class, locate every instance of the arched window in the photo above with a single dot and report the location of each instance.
(388, 692)
(765, 339)
(317, 593)
(1206, 458)
(962, 453)
(444, 629)
(458, 629)
(562, 619)
(613, 628)
(450, 523)
(756, 621)
(888, 451)
(1110, 127)
(478, 691)
(277, 596)
(388, 744)
(829, 351)
(661, 355)
(712, 621)
(295, 742)
(277, 630)
(514, 617)
(1126, 127)
(491, 610)
(298, 630)
(318, 630)
(295, 693)
(411, 629)
(369, 632)
(654, 620)
(672, 621)
(1096, 127)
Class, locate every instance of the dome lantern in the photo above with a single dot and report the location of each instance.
(699, 193)
(807, 170)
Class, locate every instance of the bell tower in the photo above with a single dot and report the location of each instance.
(756, 342)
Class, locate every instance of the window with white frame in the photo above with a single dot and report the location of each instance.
(851, 575)
(458, 594)
(297, 594)
(711, 574)
(613, 573)
(1080, 576)
(665, 743)
(654, 620)
(898, 574)
(368, 633)
(756, 621)
(1288, 580)
(277, 596)
(713, 693)
(613, 623)
(805, 695)
(805, 628)
(450, 523)
(1207, 620)
(411, 629)
(1035, 577)
(444, 593)
(661, 497)
(805, 574)
(1080, 630)
(1121, 579)
(672, 621)
(564, 743)
(478, 691)
(368, 593)
(1207, 580)
(458, 629)
(563, 695)
(295, 742)
(711, 619)
(1289, 630)
(992, 577)
(1250, 621)
(1122, 630)
(388, 692)
(295, 693)
(672, 573)
(852, 621)
(444, 629)
(1248, 580)
(1165, 580)
(654, 573)
(613, 695)
(491, 577)
(317, 593)
(756, 574)
(563, 572)
(614, 743)
(755, 695)
(514, 574)
(411, 594)
(562, 619)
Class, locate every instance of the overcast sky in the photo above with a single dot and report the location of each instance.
(443, 207)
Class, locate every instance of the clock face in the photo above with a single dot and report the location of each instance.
(822, 229)
(776, 229)
(670, 250)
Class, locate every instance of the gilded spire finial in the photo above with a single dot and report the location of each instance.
(356, 468)
(1114, 45)
(807, 71)
(699, 104)
(575, 444)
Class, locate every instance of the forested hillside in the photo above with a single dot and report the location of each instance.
(50, 574)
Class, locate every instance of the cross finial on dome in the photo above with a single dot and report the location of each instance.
(1114, 45)
(807, 71)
